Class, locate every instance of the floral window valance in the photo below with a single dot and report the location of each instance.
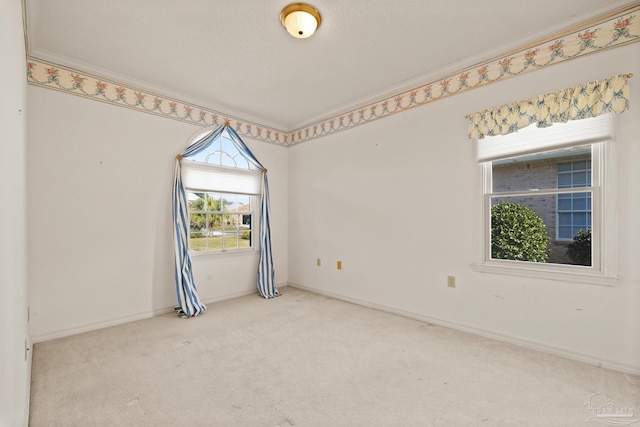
(588, 100)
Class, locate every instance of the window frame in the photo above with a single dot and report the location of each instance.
(253, 212)
(254, 202)
(604, 269)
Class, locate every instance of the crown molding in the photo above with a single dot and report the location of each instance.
(145, 86)
(614, 29)
(115, 92)
(609, 30)
(454, 67)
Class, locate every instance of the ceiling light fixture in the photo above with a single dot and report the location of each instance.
(300, 19)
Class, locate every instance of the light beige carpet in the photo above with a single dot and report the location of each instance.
(307, 360)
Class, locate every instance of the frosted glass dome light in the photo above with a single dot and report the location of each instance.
(300, 19)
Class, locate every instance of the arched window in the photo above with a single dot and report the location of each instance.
(220, 194)
(222, 190)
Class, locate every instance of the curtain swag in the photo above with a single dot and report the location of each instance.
(189, 304)
(588, 100)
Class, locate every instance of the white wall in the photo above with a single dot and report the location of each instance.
(395, 200)
(14, 370)
(100, 232)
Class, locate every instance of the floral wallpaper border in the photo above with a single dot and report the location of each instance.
(618, 30)
(64, 79)
(597, 35)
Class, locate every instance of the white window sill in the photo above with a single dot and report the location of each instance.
(556, 272)
(201, 255)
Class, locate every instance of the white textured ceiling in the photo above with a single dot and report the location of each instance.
(234, 56)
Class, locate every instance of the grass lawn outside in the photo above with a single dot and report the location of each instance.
(230, 241)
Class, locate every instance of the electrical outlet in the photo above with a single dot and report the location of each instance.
(339, 267)
(451, 281)
(318, 262)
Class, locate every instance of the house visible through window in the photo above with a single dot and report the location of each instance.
(222, 190)
(219, 221)
(540, 182)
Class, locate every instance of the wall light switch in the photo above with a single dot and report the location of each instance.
(339, 265)
(451, 281)
(318, 263)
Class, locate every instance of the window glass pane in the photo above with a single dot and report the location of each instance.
(564, 167)
(228, 147)
(564, 218)
(230, 240)
(529, 228)
(230, 203)
(228, 161)
(197, 240)
(579, 219)
(241, 162)
(580, 179)
(208, 230)
(215, 223)
(565, 232)
(222, 152)
(200, 157)
(223, 221)
(564, 203)
(245, 239)
(215, 241)
(214, 232)
(219, 221)
(214, 202)
(237, 222)
(564, 180)
(197, 222)
(520, 227)
(547, 170)
(579, 165)
(195, 201)
(579, 204)
(214, 158)
(246, 221)
(575, 230)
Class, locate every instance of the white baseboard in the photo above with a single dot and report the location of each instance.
(534, 345)
(133, 317)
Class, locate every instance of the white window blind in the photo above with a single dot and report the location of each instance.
(533, 139)
(206, 177)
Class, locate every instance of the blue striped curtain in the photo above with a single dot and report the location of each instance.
(189, 304)
(266, 274)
